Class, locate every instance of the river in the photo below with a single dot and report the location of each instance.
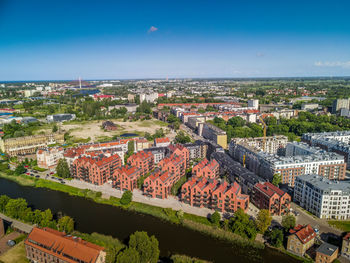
(109, 220)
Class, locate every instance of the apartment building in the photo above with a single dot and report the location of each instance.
(339, 104)
(95, 169)
(207, 169)
(345, 248)
(48, 157)
(270, 144)
(125, 178)
(213, 194)
(180, 150)
(142, 160)
(338, 142)
(327, 164)
(60, 117)
(161, 142)
(267, 196)
(322, 197)
(213, 133)
(159, 184)
(300, 239)
(29, 144)
(49, 245)
(158, 153)
(174, 164)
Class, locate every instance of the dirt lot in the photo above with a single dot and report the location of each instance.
(93, 129)
(3, 241)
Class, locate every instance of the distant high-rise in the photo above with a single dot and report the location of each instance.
(253, 104)
(340, 104)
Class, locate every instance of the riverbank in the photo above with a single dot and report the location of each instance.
(194, 222)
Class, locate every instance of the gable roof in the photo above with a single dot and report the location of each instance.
(59, 244)
(304, 233)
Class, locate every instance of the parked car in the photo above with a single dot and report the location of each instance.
(37, 176)
(63, 182)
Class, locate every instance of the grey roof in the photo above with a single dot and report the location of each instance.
(327, 249)
(323, 183)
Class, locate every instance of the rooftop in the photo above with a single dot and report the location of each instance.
(327, 249)
(323, 183)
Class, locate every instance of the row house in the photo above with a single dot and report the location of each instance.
(180, 150)
(267, 196)
(159, 184)
(207, 169)
(125, 178)
(48, 158)
(96, 170)
(213, 194)
(142, 160)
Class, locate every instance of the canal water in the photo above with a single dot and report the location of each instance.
(105, 219)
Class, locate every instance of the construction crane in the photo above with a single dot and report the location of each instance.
(265, 127)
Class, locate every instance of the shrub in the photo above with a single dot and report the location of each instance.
(126, 198)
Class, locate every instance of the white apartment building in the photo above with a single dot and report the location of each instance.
(253, 104)
(324, 198)
(48, 158)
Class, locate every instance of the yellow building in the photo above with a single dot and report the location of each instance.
(29, 144)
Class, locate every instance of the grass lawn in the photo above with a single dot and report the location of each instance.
(342, 225)
(36, 168)
(17, 254)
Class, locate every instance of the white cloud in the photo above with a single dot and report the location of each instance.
(152, 29)
(260, 54)
(342, 64)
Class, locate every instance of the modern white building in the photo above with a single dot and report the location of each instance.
(324, 198)
(253, 104)
(48, 157)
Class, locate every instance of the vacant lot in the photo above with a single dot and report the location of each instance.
(93, 129)
(17, 254)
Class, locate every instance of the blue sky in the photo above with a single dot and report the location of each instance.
(175, 38)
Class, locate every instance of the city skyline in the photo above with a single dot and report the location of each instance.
(200, 39)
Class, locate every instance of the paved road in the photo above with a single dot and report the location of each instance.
(325, 229)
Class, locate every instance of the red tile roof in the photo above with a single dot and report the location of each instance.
(304, 233)
(347, 236)
(59, 244)
(162, 140)
(269, 189)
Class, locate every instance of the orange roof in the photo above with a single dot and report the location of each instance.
(269, 189)
(162, 140)
(129, 171)
(59, 244)
(304, 233)
(347, 236)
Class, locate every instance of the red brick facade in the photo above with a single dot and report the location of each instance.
(211, 193)
(159, 184)
(142, 160)
(125, 178)
(96, 170)
(207, 169)
(181, 150)
(267, 196)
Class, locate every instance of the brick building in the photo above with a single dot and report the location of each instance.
(301, 238)
(49, 245)
(207, 169)
(175, 165)
(213, 194)
(143, 160)
(125, 178)
(267, 196)
(326, 253)
(180, 150)
(97, 169)
(159, 184)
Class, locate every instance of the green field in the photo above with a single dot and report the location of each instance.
(342, 225)
(17, 254)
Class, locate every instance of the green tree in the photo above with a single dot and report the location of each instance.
(37, 217)
(4, 199)
(66, 224)
(62, 169)
(276, 238)
(46, 218)
(288, 222)
(16, 207)
(277, 179)
(240, 224)
(215, 218)
(54, 128)
(181, 137)
(236, 122)
(263, 220)
(129, 255)
(126, 198)
(20, 169)
(146, 246)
